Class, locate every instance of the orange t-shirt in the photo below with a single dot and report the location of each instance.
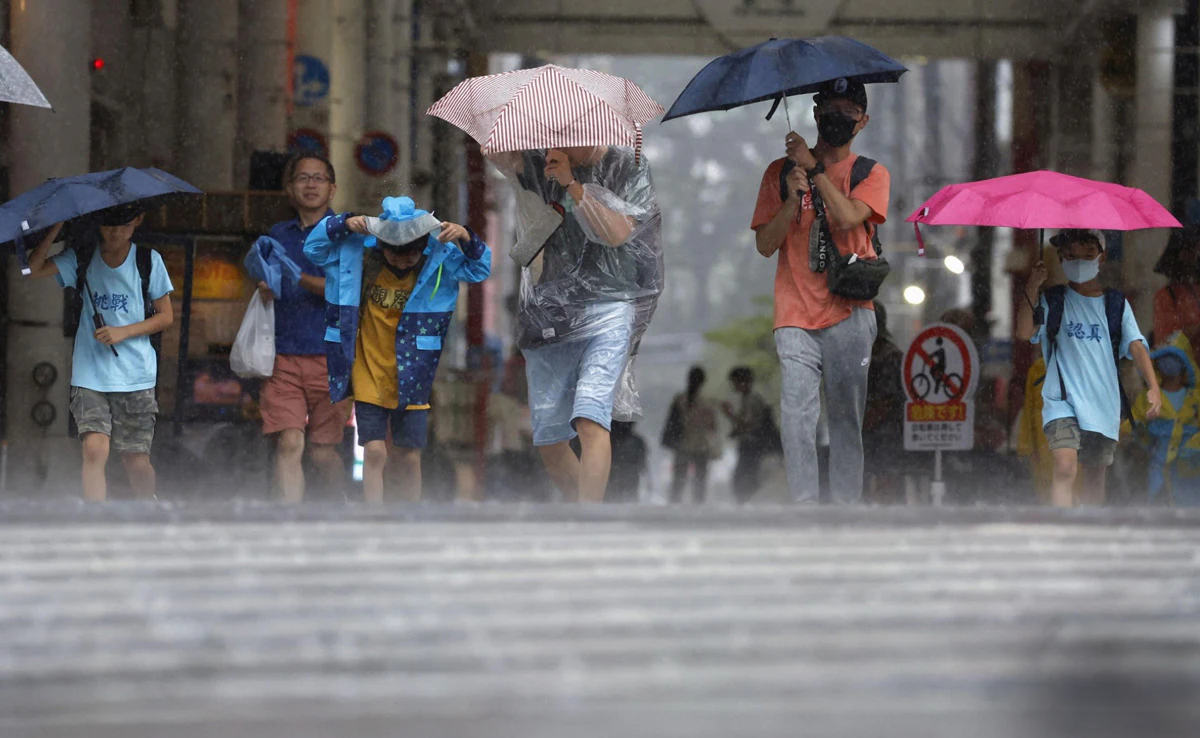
(802, 297)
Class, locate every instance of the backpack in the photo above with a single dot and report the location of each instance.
(143, 257)
(1114, 313)
(673, 431)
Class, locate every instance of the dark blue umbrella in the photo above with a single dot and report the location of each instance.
(781, 67)
(65, 198)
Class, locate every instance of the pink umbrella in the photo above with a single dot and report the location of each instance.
(548, 107)
(1042, 200)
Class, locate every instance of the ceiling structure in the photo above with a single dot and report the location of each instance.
(1013, 29)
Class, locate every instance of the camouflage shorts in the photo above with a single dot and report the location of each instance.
(126, 417)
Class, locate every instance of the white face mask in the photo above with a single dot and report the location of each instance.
(1082, 270)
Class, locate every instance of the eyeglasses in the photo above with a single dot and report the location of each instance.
(314, 178)
(852, 112)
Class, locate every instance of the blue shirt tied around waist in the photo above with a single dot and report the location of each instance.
(299, 314)
(1084, 361)
(117, 295)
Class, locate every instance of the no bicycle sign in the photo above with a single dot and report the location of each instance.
(940, 372)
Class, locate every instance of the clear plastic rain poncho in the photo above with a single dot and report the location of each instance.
(576, 256)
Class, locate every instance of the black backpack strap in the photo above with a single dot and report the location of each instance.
(1114, 313)
(1056, 299)
(145, 264)
(859, 171)
(144, 258)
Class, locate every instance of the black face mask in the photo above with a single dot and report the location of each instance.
(836, 129)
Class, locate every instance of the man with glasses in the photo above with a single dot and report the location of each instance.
(296, 397)
(820, 336)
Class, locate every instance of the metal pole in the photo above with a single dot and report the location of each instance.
(185, 328)
(937, 489)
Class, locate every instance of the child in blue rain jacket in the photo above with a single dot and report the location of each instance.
(391, 287)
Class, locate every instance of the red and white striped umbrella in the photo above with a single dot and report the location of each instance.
(548, 107)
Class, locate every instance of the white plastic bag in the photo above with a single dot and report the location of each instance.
(253, 354)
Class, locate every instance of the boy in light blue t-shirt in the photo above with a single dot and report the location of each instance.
(114, 367)
(1081, 393)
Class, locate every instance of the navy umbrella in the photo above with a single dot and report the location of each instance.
(61, 199)
(781, 67)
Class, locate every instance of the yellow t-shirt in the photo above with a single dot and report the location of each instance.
(374, 375)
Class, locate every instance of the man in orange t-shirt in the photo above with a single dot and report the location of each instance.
(818, 335)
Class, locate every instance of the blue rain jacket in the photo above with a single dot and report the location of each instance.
(267, 261)
(426, 317)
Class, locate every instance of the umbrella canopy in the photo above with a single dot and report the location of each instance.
(16, 86)
(547, 107)
(1042, 200)
(781, 67)
(61, 199)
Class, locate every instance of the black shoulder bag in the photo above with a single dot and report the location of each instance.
(849, 276)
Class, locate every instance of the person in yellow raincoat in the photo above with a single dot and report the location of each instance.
(1171, 439)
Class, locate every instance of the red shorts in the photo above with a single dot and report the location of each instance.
(297, 397)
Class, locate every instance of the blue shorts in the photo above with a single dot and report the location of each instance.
(410, 428)
(578, 378)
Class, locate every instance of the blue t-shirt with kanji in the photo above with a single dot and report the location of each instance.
(299, 314)
(117, 295)
(1083, 359)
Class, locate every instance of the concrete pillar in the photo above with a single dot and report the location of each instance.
(401, 113)
(115, 131)
(44, 144)
(1071, 118)
(380, 73)
(1151, 165)
(208, 63)
(1105, 152)
(984, 166)
(155, 99)
(424, 70)
(262, 82)
(314, 39)
(346, 106)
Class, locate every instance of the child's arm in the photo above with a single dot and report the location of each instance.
(1145, 367)
(39, 263)
(111, 335)
(321, 246)
(1025, 325)
(478, 264)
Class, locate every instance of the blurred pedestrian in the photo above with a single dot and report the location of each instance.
(294, 403)
(822, 337)
(883, 421)
(962, 318)
(393, 281)
(1178, 421)
(1177, 305)
(754, 432)
(124, 298)
(697, 442)
(587, 294)
(629, 463)
(514, 470)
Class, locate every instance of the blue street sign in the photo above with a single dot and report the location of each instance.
(311, 80)
(377, 153)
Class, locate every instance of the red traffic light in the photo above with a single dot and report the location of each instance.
(97, 64)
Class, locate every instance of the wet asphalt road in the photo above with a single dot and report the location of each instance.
(234, 620)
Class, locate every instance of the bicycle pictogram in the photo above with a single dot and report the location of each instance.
(934, 379)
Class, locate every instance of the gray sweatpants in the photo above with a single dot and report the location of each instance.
(841, 354)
